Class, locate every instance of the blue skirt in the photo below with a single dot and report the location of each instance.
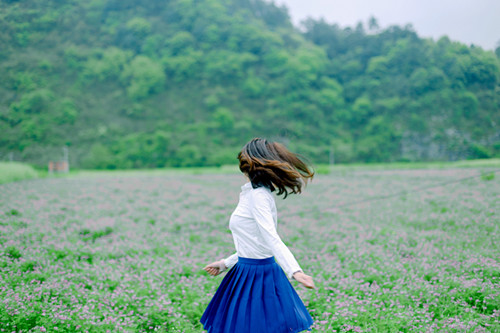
(256, 296)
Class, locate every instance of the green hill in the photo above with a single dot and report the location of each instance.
(133, 84)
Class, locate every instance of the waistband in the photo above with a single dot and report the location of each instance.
(254, 261)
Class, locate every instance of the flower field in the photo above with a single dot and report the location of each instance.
(125, 253)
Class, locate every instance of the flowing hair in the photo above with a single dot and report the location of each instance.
(272, 165)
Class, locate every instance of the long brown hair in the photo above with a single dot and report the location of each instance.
(271, 164)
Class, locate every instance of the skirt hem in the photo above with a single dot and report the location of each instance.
(297, 330)
(308, 328)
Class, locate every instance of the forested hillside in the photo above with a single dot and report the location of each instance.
(128, 83)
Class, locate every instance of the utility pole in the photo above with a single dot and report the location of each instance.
(332, 159)
(65, 159)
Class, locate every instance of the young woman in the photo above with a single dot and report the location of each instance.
(256, 296)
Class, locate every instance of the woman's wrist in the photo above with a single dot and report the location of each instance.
(222, 265)
(293, 274)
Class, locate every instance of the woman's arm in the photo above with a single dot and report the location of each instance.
(220, 266)
(261, 211)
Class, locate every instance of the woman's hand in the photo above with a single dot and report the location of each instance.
(215, 268)
(305, 279)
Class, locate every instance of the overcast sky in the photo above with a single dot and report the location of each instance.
(468, 21)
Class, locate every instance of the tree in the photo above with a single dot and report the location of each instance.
(373, 24)
(143, 77)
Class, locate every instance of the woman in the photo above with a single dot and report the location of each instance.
(255, 295)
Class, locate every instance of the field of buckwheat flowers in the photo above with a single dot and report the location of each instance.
(125, 253)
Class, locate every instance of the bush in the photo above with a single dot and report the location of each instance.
(13, 171)
(99, 157)
(478, 151)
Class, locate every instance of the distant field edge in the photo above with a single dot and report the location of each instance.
(225, 169)
(479, 163)
(16, 171)
(319, 168)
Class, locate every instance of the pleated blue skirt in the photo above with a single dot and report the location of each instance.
(255, 296)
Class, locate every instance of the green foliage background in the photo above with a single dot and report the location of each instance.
(133, 84)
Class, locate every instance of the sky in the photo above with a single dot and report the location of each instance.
(468, 21)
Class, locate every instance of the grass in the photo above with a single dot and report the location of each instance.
(125, 253)
(14, 171)
(480, 163)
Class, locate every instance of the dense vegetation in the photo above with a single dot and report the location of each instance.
(125, 254)
(13, 171)
(127, 83)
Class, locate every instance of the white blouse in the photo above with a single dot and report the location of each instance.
(253, 225)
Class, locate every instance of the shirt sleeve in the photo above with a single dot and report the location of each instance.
(231, 260)
(262, 213)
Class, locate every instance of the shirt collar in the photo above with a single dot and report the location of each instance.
(246, 187)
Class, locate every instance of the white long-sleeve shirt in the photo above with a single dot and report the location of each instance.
(253, 225)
